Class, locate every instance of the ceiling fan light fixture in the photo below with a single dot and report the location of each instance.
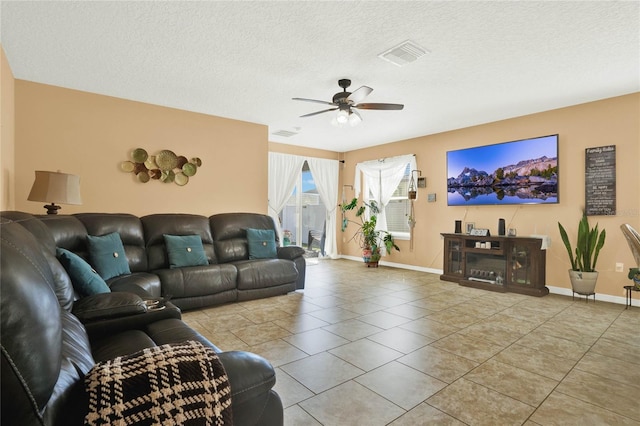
(354, 119)
(342, 117)
(347, 104)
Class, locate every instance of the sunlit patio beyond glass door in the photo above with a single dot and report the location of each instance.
(303, 218)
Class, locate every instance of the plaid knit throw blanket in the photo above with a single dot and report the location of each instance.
(175, 384)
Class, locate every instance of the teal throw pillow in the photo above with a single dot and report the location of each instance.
(107, 255)
(262, 243)
(185, 250)
(84, 278)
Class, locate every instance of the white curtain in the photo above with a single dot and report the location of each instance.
(325, 175)
(283, 173)
(381, 179)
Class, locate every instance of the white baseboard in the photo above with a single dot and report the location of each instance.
(554, 290)
(599, 296)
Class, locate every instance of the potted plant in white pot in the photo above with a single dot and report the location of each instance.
(583, 274)
(368, 237)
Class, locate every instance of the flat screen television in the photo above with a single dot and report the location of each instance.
(518, 172)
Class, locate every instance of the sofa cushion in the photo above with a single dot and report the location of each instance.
(157, 225)
(68, 232)
(161, 384)
(185, 250)
(63, 287)
(262, 243)
(262, 273)
(143, 284)
(107, 255)
(84, 278)
(197, 280)
(128, 226)
(230, 233)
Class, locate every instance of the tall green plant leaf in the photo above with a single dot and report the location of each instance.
(600, 244)
(588, 245)
(567, 244)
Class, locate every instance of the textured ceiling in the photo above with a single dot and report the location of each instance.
(245, 60)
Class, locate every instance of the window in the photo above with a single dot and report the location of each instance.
(399, 207)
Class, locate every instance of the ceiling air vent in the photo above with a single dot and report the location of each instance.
(284, 133)
(403, 53)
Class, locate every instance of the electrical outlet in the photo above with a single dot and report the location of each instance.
(619, 267)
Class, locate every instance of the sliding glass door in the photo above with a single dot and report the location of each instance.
(303, 218)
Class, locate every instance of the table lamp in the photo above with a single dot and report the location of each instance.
(55, 187)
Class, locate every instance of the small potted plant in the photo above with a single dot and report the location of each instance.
(368, 237)
(286, 237)
(583, 274)
(634, 275)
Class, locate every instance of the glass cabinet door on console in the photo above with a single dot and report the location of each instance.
(526, 265)
(453, 257)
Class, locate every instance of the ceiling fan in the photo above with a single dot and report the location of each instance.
(346, 104)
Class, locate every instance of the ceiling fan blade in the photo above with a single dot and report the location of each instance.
(359, 94)
(313, 100)
(380, 106)
(318, 112)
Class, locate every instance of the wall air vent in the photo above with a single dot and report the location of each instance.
(403, 53)
(284, 133)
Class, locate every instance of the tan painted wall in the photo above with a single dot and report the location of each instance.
(613, 121)
(7, 131)
(90, 135)
(303, 151)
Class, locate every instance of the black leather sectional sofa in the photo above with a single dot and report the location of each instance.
(229, 276)
(51, 339)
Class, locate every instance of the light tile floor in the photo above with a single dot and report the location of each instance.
(386, 346)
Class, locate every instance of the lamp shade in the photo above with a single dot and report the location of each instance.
(55, 187)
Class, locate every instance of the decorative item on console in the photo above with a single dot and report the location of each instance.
(458, 227)
(480, 232)
(165, 166)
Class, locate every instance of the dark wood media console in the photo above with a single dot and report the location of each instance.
(514, 264)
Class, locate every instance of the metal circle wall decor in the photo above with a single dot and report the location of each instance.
(166, 160)
(139, 155)
(165, 166)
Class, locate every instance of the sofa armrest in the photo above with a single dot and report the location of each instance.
(109, 313)
(108, 305)
(252, 378)
(290, 252)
